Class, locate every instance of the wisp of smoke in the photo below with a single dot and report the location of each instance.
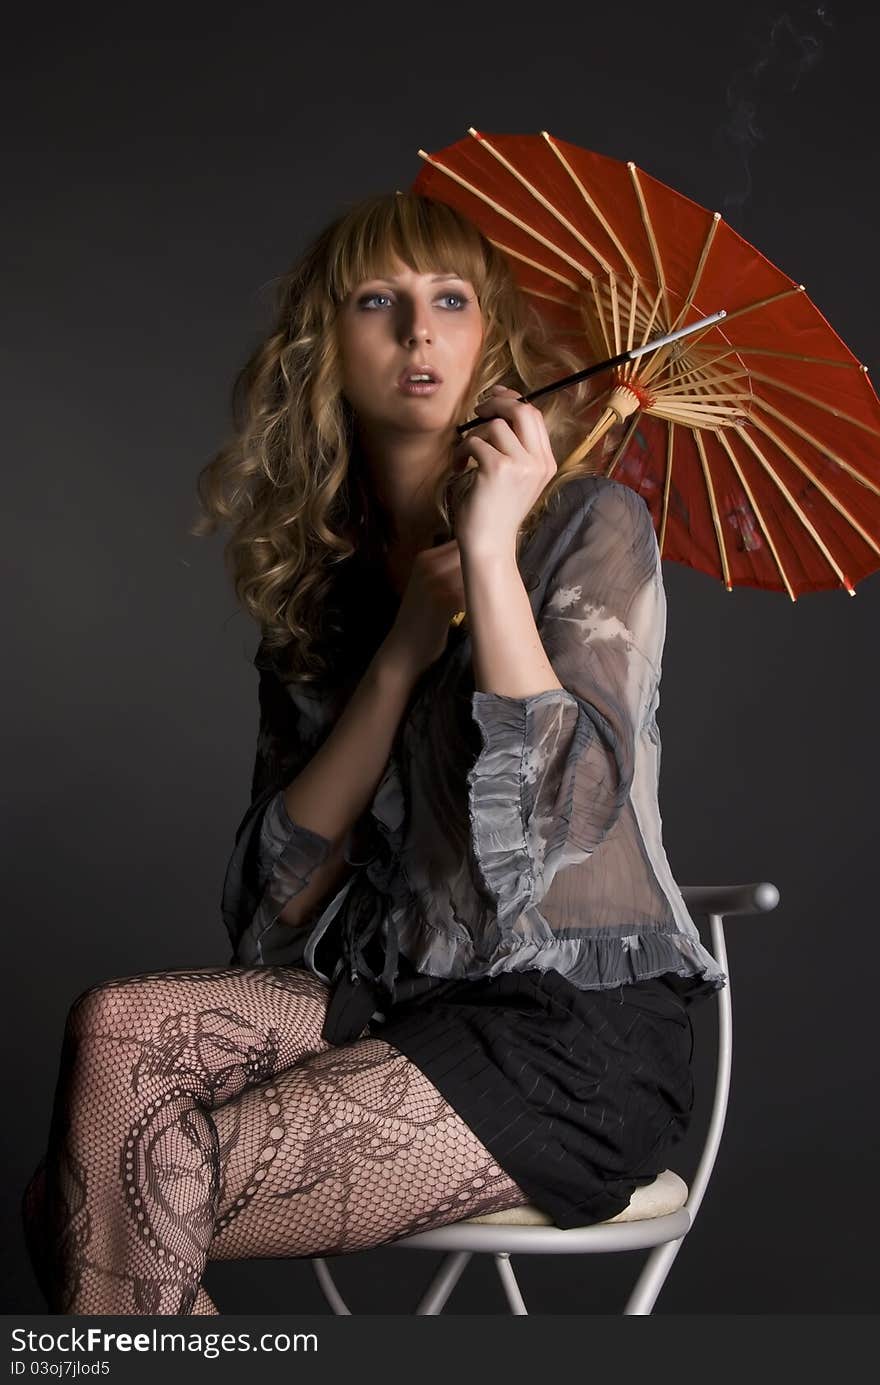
(785, 56)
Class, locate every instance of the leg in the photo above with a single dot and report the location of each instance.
(34, 1215)
(351, 1148)
(132, 1170)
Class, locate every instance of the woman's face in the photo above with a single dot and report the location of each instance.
(391, 327)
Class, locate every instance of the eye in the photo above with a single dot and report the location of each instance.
(368, 298)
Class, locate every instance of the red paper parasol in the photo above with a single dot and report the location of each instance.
(754, 442)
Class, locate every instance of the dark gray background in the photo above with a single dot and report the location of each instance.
(154, 187)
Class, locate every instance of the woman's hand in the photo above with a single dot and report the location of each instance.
(433, 594)
(514, 462)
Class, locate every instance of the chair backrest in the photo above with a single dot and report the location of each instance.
(718, 902)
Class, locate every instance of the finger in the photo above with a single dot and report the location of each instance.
(460, 458)
(496, 430)
(525, 421)
(464, 451)
(481, 450)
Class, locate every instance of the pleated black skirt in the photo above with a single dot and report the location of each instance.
(578, 1095)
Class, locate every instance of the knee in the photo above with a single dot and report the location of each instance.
(100, 1009)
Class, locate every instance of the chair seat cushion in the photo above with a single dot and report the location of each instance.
(666, 1194)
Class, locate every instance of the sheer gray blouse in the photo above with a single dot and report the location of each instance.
(506, 833)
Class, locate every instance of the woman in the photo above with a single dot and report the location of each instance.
(461, 965)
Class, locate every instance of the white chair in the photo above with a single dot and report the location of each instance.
(659, 1215)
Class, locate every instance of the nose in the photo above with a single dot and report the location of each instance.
(415, 325)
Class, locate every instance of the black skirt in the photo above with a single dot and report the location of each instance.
(578, 1095)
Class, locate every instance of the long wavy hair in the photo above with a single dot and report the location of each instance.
(291, 481)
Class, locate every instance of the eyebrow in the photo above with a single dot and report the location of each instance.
(378, 279)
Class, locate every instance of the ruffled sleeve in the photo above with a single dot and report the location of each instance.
(273, 857)
(555, 769)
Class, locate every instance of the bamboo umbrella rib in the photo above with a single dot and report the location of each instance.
(826, 408)
(693, 419)
(719, 378)
(712, 422)
(652, 239)
(756, 510)
(550, 298)
(657, 301)
(671, 382)
(705, 387)
(708, 376)
(709, 390)
(713, 505)
(588, 441)
(716, 217)
(660, 361)
(763, 303)
(539, 197)
(632, 290)
(633, 304)
(535, 264)
(698, 366)
(637, 313)
(601, 316)
(697, 401)
(793, 356)
(594, 318)
(595, 337)
(733, 416)
(811, 476)
(666, 353)
(697, 373)
(711, 370)
(822, 447)
(655, 365)
(660, 358)
(780, 484)
(591, 203)
(624, 443)
(508, 216)
(670, 447)
(615, 316)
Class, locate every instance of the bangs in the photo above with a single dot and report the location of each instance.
(426, 235)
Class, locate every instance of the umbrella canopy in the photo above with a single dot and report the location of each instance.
(756, 442)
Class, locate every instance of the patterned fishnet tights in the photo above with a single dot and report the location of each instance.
(199, 1115)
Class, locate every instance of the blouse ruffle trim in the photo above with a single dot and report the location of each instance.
(495, 793)
(288, 854)
(595, 961)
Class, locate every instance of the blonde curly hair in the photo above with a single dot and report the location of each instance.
(291, 481)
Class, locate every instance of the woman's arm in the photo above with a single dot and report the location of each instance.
(563, 701)
(331, 793)
(508, 656)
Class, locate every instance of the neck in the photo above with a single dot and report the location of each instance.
(402, 469)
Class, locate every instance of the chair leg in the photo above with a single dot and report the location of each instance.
(511, 1288)
(443, 1283)
(651, 1279)
(328, 1287)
